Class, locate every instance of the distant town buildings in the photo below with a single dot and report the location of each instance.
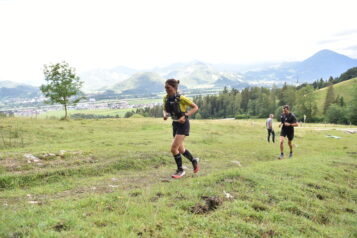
(91, 104)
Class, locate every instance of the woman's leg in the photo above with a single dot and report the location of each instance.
(177, 142)
(186, 153)
(182, 148)
(189, 156)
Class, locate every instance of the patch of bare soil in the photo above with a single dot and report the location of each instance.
(211, 204)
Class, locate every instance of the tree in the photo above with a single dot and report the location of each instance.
(306, 102)
(244, 99)
(341, 101)
(287, 95)
(351, 73)
(330, 98)
(336, 114)
(63, 86)
(321, 83)
(353, 107)
(128, 114)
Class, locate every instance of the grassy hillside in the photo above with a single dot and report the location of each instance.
(111, 178)
(344, 89)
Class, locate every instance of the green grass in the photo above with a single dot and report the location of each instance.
(113, 181)
(345, 89)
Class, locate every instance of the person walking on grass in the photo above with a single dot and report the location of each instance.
(288, 122)
(175, 105)
(269, 125)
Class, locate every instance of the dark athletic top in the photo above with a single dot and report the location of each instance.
(289, 118)
(184, 102)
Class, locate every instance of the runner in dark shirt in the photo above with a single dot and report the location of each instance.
(288, 121)
(176, 106)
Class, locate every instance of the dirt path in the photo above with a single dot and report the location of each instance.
(122, 181)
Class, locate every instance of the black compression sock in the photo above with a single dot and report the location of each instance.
(188, 155)
(178, 161)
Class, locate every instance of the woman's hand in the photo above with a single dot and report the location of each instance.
(182, 120)
(165, 115)
(287, 124)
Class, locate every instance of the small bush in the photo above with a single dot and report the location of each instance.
(242, 116)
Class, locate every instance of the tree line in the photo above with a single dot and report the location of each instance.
(259, 102)
(349, 74)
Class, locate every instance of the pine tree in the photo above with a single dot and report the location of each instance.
(353, 108)
(330, 98)
(342, 102)
(245, 99)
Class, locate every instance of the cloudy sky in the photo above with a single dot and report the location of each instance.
(141, 34)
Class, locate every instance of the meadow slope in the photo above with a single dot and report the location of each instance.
(111, 178)
(344, 89)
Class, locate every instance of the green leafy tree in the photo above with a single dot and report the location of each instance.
(129, 114)
(336, 114)
(306, 102)
(63, 85)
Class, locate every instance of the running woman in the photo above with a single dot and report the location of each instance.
(288, 121)
(175, 105)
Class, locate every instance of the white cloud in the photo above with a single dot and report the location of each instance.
(143, 34)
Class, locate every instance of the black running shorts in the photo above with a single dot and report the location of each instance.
(181, 128)
(289, 134)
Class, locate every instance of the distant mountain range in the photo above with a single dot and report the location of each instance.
(8, 84)
(140, 83)
(323, 64)
(199, 75)
(11, 90)
(100, 79)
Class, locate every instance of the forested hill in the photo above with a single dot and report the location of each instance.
(344, 90)
(258, 102)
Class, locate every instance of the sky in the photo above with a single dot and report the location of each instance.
(143, 34)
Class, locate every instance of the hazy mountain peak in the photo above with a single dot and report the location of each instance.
(327, 55)
(326, 52)
(8, 84)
